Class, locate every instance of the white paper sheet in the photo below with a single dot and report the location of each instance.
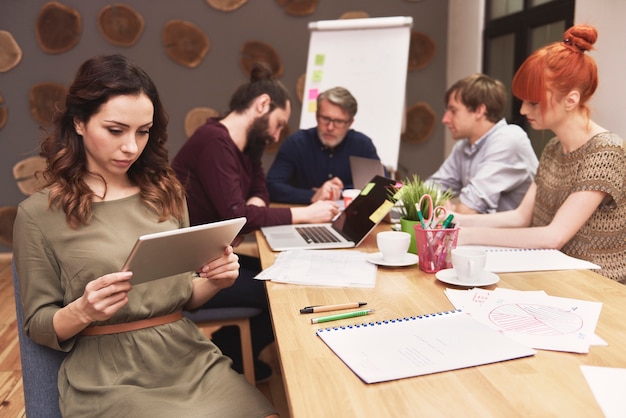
(607, 385)
(334, 268)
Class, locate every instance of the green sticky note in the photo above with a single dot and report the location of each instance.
(319, 59)
(317, 75)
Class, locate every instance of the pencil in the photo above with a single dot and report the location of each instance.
(326, 308)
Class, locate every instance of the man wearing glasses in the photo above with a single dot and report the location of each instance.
(313, 164)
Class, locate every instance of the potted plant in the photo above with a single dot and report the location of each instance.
(408, 196)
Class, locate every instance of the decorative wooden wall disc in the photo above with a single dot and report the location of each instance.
(356, 14)
(10, 52)
(45, 100)
(185, 43)
(120, 25)
(226, 5)
(420, 122)
(58, 28)
(257, 51)
(196, 117)
(421, 51)
(28, 174)
(300, 87)
(298, 7)
(4, 113)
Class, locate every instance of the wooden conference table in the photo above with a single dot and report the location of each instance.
(548, 384)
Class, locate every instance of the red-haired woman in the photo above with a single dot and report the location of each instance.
(578, 201)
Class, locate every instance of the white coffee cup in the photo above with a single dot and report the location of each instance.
(349, 195)
(393, 245)
(469, 263)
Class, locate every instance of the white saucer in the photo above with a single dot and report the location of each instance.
(408, 260)
(449, 276)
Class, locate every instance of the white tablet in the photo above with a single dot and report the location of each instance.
(164, 254)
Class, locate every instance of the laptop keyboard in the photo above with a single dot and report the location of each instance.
(316, 234)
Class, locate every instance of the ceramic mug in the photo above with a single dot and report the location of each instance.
(393, 245)
(469, 263)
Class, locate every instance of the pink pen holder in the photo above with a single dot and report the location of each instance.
(434, 248)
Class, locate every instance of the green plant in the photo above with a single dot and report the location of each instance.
(412, 191)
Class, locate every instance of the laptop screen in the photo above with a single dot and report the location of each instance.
(366, 210)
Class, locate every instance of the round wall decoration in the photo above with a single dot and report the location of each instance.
(420, 122)
(4, 113)
(10, 52)
(120, 25)
(45, 99)
(28, 174)
(300, 87)
(355, 14)
(58, 28)
(196, 117)
(257, 51)
(298, 7)
(421, 50)
(226, 5)
(185, 43)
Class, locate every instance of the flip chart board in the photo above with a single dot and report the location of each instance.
(369, 57)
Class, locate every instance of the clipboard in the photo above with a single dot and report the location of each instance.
(163, 254)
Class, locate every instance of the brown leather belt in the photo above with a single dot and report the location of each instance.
(132, 326)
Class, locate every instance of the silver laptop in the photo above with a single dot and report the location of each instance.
(363, 169)
(164, 254)
(348, 230)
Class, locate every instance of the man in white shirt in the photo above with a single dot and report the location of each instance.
(493, 163)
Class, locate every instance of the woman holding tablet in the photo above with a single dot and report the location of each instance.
(108, 180)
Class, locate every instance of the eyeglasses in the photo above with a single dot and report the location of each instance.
(339, 123)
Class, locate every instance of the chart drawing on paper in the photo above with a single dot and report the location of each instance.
(533, 319)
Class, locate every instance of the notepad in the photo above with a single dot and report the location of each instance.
(407, 347)
(510, 260)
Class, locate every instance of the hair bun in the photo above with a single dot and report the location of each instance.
(583, 37)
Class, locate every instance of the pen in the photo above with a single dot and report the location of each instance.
(341, 316)
(447, 222)
(325, 308)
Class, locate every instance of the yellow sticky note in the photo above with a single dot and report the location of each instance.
(312, 108)
(380, 213)
(317, 75)
(368, 187)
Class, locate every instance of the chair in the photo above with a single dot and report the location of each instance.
(238, 316)
(40, 368)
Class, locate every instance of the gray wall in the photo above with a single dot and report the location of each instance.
(211, 83)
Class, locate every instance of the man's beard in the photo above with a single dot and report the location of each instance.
(258, 137)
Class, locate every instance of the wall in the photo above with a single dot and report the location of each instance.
(212, 83)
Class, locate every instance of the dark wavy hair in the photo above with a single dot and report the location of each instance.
(97, 81)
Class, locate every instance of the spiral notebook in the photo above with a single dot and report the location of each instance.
(509, 260)
(395, 349)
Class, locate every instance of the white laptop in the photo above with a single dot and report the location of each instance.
(363, 169)
(164, 254)
(348, 230)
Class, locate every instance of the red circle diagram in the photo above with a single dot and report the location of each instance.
(535, 319)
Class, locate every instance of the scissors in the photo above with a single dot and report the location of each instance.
(434, 214)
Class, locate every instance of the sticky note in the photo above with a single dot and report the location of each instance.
(380, 213)
(317, 75)
(312, 106)
(319, 59)
(313, 93)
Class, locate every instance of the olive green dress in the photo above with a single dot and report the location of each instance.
(169, 370)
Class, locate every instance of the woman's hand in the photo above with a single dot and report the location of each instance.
(214, 276)
(102, 298)
(222, 272)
